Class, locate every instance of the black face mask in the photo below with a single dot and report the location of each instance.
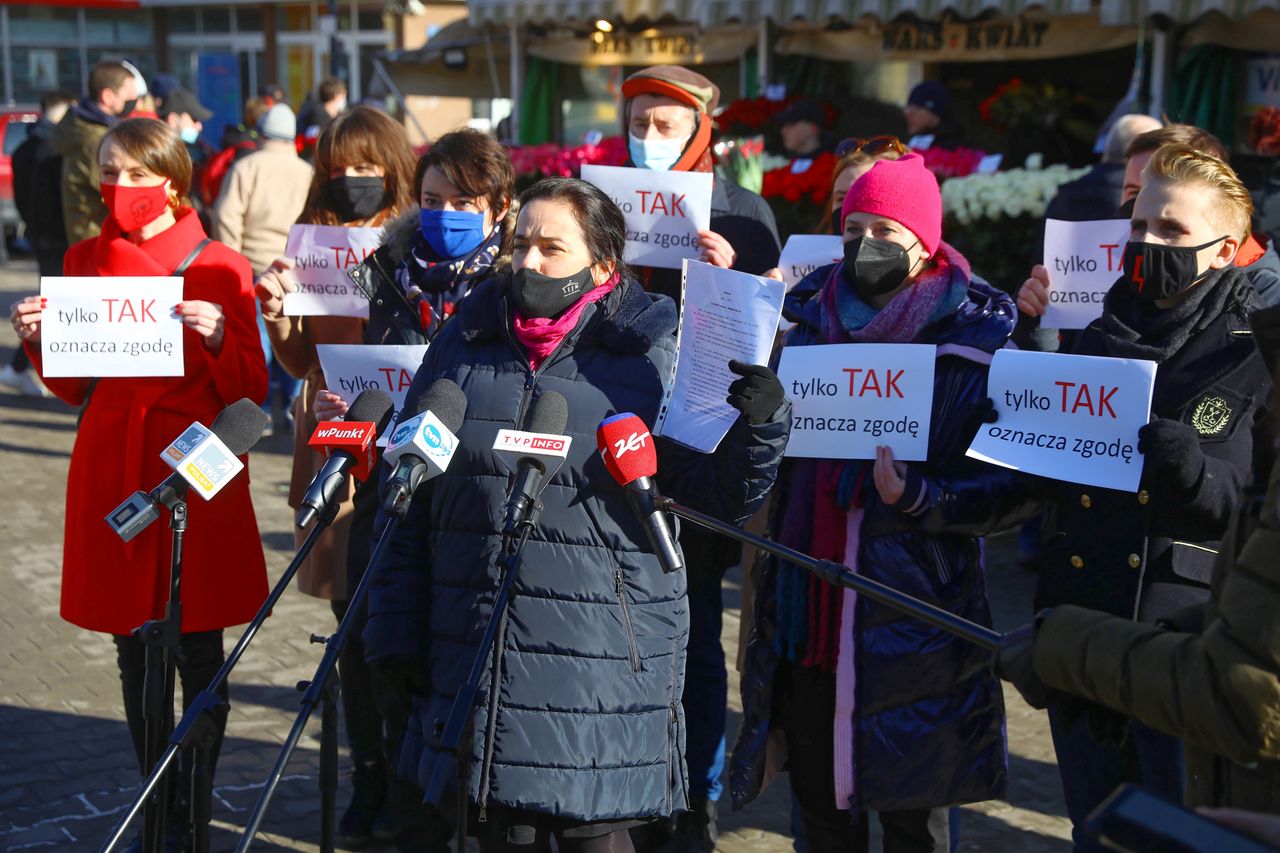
(837, 224)
(538, 295)
(129, 106)
(875, 267)
(355, 198)
(1158, 272)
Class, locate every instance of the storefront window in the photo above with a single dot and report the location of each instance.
(37, 70)
(182, 61)
(142, 59)
(30, 25)
(294, 19)
(248, 20)
(217, 20)
(370, 19)
(118, 27)
(182, 19)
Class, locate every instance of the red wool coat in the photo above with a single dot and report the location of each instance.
(109, 585)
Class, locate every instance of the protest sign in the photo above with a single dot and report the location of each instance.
(352, 368)
(725, 315)
(848, 398)
(1084, 259)
(1069, 417)
(804, 253)
(111, 326)
(322, 255)
(664, 211)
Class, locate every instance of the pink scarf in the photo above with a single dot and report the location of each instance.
(541, 335)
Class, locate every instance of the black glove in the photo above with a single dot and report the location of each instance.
(983, 412)
(758, 394)
(1012, 663)
(400, 679)
(1173, 453)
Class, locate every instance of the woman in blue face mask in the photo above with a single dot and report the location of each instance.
(433, 257)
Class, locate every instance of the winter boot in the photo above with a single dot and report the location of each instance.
(368, 790)
(695, 829)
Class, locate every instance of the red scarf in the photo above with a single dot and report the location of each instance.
(541, 335)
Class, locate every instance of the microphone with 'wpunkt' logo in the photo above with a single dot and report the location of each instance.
(350, 445)
(422, 446)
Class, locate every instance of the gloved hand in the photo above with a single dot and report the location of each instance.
(983, 412)
(758, 394)
(400, 679)
(1173, 454)
(1012, 663)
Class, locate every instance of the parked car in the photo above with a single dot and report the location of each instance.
(14, 124)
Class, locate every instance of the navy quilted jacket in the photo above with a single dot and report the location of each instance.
(587, 719)
(929, 716)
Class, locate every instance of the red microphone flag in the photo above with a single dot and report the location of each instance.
(627, 448)
(354, 437)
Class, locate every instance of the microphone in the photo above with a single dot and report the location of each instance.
(627, 449)
(535, 455)
(201, 457)
(350, 444)
(422, 446)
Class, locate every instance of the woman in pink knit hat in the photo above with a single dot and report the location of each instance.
(878, 711)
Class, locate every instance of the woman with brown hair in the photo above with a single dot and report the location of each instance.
(108, 585)
(363, 169)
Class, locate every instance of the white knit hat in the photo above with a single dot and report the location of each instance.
(279, 123)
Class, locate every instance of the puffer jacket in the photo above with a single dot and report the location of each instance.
(77, 138)
(586, 716)
(1218, 689)
(929, 718)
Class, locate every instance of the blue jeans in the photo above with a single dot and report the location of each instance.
(706, 686)
(1091, 770)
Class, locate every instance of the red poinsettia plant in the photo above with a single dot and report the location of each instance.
(1264, 131)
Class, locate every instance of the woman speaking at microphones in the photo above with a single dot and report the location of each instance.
(879, 711)
(580, 735)
(109, 585)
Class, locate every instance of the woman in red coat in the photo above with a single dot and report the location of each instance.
(109, 585)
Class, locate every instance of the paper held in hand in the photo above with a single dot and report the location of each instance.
(847, 399)
(664, 211)
(724, 315)
(1084, 259)
(322, 255)
(111, 326)
(352, 368)
(804, 253)
(1068, 417)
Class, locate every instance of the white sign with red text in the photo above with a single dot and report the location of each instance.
(847, 399)
(804, 253)
(352, 368)
(1068, 417)
(664, 211)
(101, 326)
(322, 255)
(1084, 259)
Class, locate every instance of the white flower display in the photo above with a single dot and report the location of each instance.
(1005, 195)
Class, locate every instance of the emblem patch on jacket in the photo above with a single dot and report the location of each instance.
(1211, 415)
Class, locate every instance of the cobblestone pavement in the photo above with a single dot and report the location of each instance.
(65, 759)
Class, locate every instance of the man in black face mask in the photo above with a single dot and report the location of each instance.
(113, 92)
(1149, 556)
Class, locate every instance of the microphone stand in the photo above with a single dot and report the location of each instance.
(197, 731)
(322, 690)
(453, 731)
(840, 575)
(162, 637)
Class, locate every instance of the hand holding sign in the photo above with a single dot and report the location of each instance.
(329, 406)
(206, 319)
(1033, 296)
(272, 285)
(890, 475)
(716, 249)
(25, 317)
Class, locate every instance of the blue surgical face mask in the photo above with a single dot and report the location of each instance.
(189, 135)
(452, 233)
(658, 155)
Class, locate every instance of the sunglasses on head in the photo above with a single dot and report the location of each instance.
(873, 146)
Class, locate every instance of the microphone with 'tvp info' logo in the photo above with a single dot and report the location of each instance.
(627, 448)
(535, 456)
